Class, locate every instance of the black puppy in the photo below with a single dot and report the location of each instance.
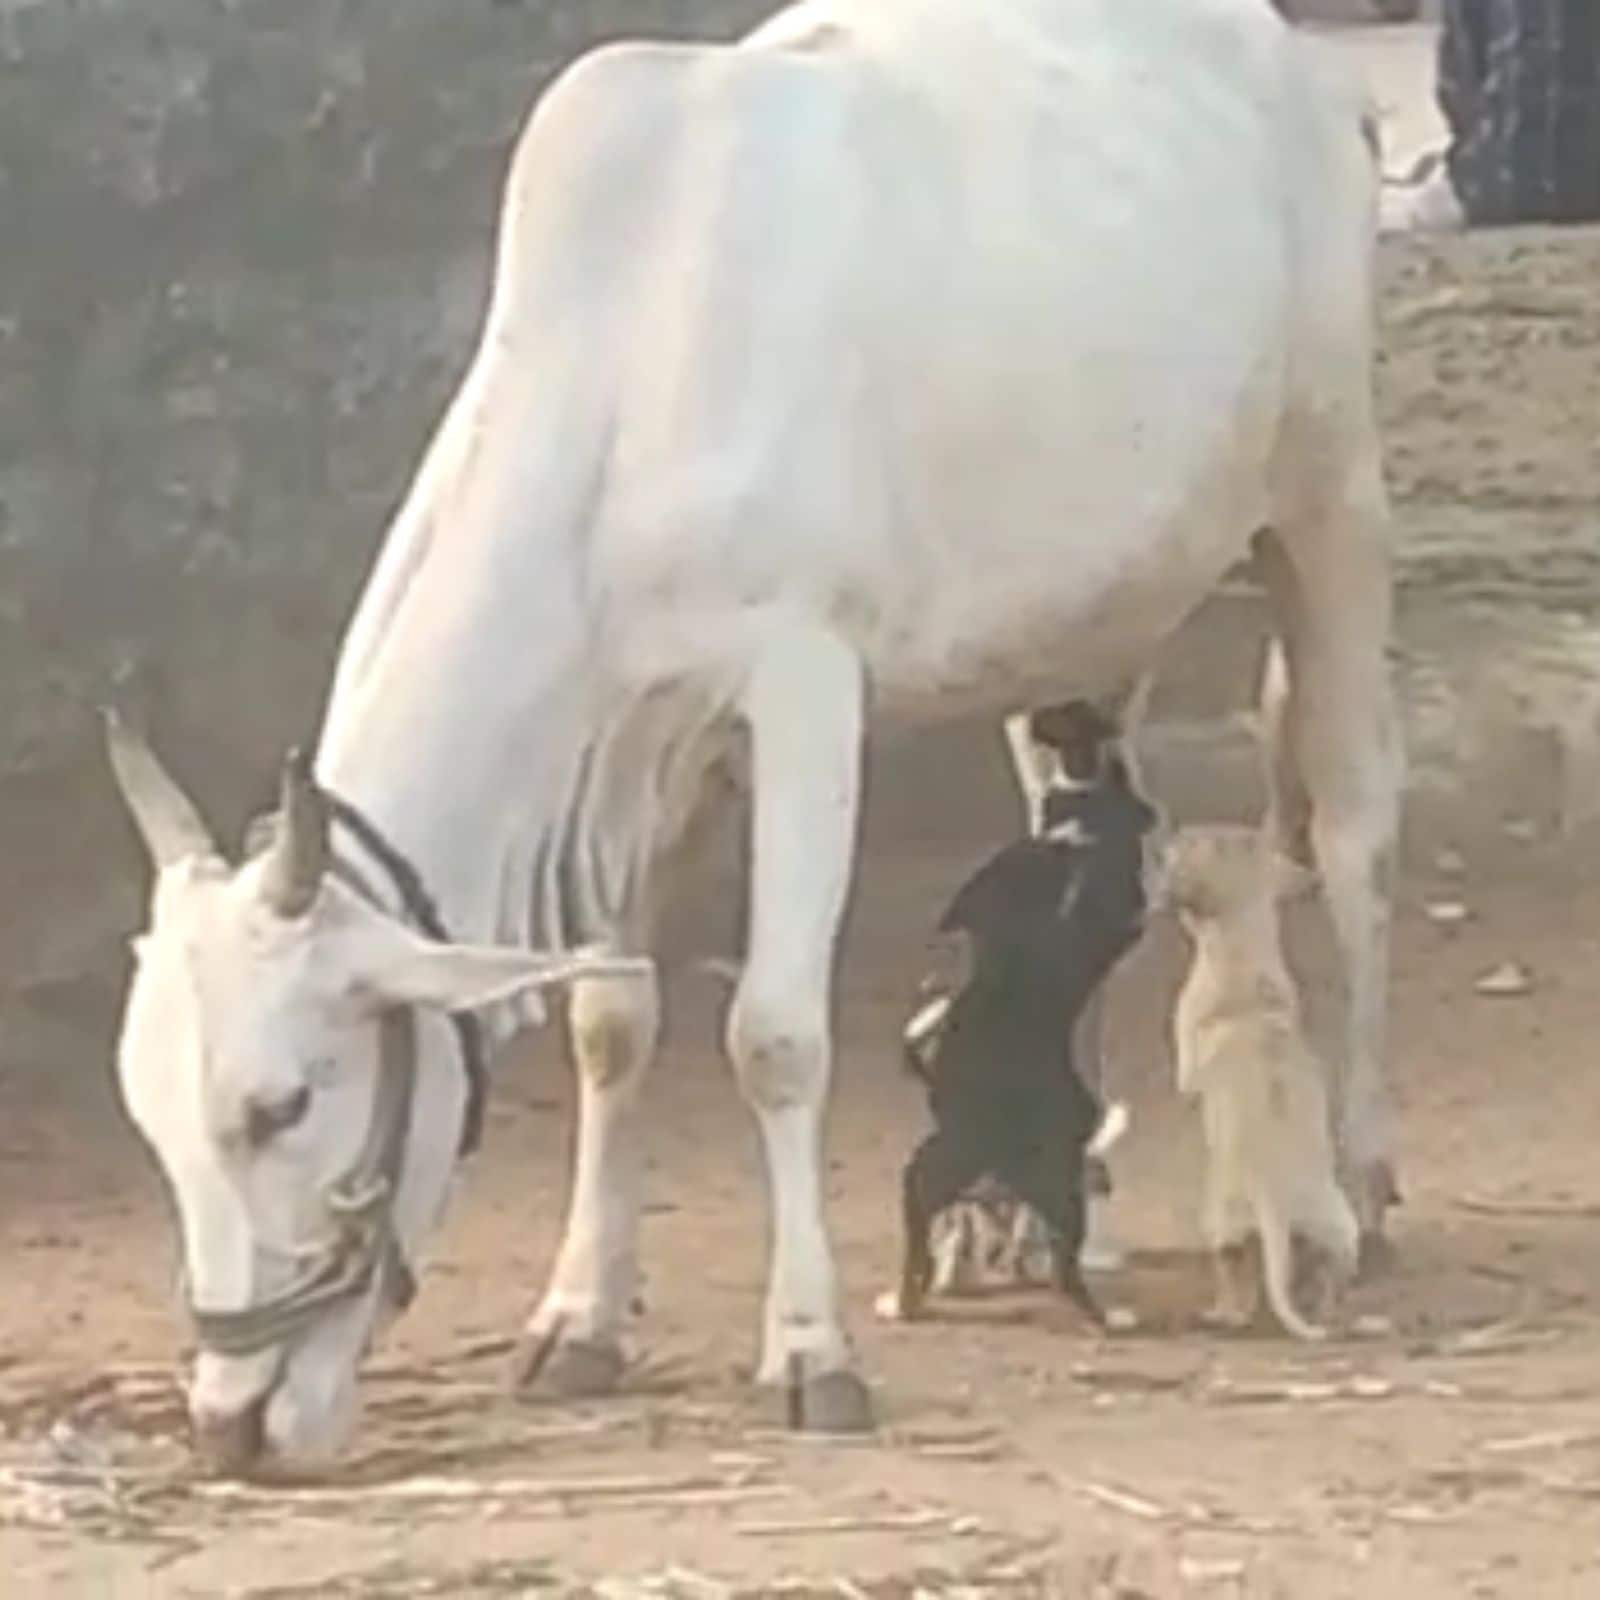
(1047, 919)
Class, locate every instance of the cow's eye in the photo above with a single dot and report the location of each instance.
(266, 1119)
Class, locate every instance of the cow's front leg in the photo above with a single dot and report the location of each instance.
(803, 705)
(573, 1343)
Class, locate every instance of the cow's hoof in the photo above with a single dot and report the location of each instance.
(1376, 1193)
(1385, 1186)
(837, 1403)
(1375, 1257)
(574, 1369)
(1373, 1192)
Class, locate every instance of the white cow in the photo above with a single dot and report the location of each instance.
(916, 356)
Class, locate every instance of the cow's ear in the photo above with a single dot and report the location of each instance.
(388, 964)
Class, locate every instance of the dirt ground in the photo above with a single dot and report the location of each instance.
(1455, 1452)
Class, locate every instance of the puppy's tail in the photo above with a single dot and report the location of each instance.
(1109, 1134)
(1277, 1261)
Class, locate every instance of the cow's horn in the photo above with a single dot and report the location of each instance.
(293, 872)
(169, 824)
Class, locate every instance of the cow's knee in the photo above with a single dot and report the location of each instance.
(613, 1023)
(779, 1052)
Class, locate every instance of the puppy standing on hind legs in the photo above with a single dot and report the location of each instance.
(1242, 1052)
(1058, 753)
(1074, 764)
(1047, 919)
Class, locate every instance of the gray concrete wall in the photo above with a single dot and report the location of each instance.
(243, 252)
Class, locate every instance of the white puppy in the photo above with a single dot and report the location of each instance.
(1242, 1052)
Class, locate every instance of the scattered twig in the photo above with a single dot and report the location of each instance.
(1226, 1391)
(1420, 1516)
(1498, 1338)
(490, 1345)
(1131, 1380)
(468, 1489)
(1192, 1569)
(540, 1509)
(831, 1442)
(1498, 1274)
(1528, 1443)
(1486, 1205)
(427, 1398)
(1120, 1500)
(1465, 1482)
(420, 1451)
(1238, 1522)
(884, 1522)
(917, 1438)
(1579, 1488)
(974, 1450)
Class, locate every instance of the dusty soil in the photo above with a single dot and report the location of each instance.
(1457, 1454)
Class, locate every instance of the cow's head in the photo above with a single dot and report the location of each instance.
(286, 1054)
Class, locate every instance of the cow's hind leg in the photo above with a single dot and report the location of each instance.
(573, 1342)
(1333, 770)
(803, 703)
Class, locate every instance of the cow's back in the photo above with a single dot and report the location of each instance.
(968, 326)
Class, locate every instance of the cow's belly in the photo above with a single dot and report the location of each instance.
(999, 656)
(1008, 611)
(959, 615)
